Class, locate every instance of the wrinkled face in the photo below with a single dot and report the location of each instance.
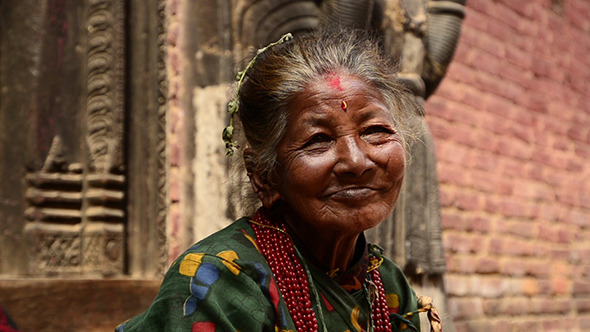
(341, 162)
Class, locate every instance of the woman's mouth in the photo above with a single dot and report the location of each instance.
(352, 193)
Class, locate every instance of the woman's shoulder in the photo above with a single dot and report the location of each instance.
(233, 246)
(224, 270)
(236, 236)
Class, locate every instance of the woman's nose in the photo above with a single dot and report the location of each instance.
(352, 159)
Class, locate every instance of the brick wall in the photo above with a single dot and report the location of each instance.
(511, 123)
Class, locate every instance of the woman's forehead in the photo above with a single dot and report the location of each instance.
(336, 86)
(330, 92)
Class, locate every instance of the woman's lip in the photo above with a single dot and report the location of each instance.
(352, 193)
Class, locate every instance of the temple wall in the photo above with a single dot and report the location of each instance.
(511, 125)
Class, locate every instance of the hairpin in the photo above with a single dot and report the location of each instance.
(232, 106)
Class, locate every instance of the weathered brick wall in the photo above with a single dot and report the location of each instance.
(511, 124)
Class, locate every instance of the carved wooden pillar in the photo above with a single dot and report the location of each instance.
(79, 141)
(75, 202)
(147, 192)
(82, 160)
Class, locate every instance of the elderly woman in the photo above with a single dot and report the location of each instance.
(326, 124)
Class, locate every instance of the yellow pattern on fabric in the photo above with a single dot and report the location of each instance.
(228, 257)
(190, 264)
(251, 239)
(357, 285)
(354, 318)
(392, 300)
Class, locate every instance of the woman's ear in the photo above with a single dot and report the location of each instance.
(267, 193)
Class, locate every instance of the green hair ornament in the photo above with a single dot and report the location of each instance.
(232, 106)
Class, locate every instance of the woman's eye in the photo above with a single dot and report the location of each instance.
(317, 140)
(378, 134)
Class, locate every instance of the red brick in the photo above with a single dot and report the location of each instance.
(483, 181)
(462, 244)
(564, 236)
(535, 101)
(465, 308)
(513, 168)
(520, 150)
(523, 8)
(461, 264)
(560, 286)
(480, 325)
(548, 306)
(528, 28)
(581, 289)
(530, 287)
(583, 305)
(487, 265)
(544, 287)
(492, 204)
(461, 326)
(557, 325)
(548, 232)
(491, 84)
(446, 197)
(512, 208)
(507, 306)
(504, 187)
(478, 224)
(576, 15)
(584, 323)
(461, 73)
(451, 174)
(561, 254)
(582, 151)
(496, 245)
(537, 269)
(513, 267)
(439, 130)
(487, 63)
(462, 134)
(526, 324)
(468, 201)
(452, 222)
(522, 229)
(580, 218)
(498, 287)
(457, 285)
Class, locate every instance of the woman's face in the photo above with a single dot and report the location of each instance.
(341, 162)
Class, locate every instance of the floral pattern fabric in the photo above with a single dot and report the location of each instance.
(223, 283)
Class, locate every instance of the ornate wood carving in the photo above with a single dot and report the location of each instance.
(76, 210)
(162, 190)
(260, 22)
(105, 84)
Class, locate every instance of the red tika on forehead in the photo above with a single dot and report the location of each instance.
(334, 82)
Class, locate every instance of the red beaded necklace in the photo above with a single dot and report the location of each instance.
(292, 277)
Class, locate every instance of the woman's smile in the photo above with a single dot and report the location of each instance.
(353, 194)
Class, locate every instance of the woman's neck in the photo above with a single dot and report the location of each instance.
(326, 249)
